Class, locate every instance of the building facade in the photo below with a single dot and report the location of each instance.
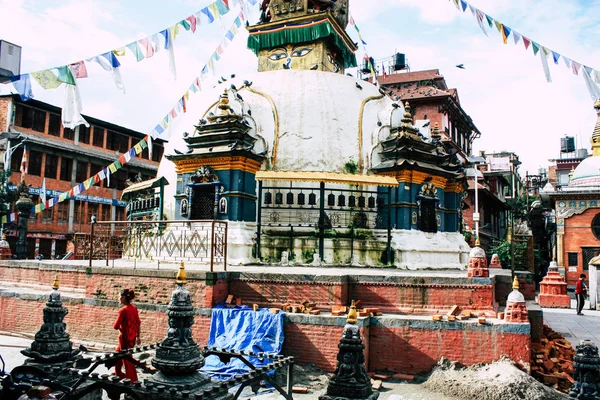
(65, 158)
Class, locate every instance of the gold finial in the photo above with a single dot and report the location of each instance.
(477, 242)
(352, 315)
(181, 278)
(435, 134)
(55, 284)
(407, 117)
(573, 169)
(596, 133)
(516, 283)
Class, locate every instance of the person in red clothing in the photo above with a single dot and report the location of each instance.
(580, 293)
(128, 323)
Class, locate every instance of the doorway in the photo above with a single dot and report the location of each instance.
(203, 202)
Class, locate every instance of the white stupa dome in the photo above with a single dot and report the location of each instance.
(303, 121)
(515, 297)
(587, 173)
(477, 252)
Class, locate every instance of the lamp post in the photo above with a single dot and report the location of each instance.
(475, 161)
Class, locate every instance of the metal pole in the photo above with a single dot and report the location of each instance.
(389, 226)
(161, 200)
(212, 246)
(291, 242)
(476, 213)
(91, 244)
(322, 222)
(258, 219)
(225, 249)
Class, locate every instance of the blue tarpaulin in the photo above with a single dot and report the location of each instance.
(241, 328)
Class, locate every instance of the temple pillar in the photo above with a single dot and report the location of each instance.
(24, 206)
(560, 237)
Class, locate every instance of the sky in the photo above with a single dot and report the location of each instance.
(502, 87)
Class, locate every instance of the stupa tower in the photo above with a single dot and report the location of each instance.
(303, 35)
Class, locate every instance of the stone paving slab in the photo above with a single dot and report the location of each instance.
(574, 327)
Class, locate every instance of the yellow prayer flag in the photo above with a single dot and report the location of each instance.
(504, 38)
(214, 10)
(174, 31)
(113, 168)
(119, 52)
(498, 26)
(138, 148)
(186, 95)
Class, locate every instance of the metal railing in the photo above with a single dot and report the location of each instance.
(201, 241)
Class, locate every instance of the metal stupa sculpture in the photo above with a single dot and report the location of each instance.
(51, 343)
(350, 379)
(178, 357)
(587, 365)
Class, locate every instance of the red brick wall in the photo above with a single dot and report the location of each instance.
(423, 298)
(4, 102)
(34, 275)
(416, 351)
(578, 233)
(275, 293)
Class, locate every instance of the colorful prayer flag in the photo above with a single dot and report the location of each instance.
(47, 79)
(65, 75)
(79, 70)
(23, 167)
(137, 52)
(23, 86)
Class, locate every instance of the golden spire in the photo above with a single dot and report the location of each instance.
(407, 117)
(596, 133)
(477, 242)
(573, 169)
(352, 315)
(55, 284)
(181, 278)
(435, 134)
(516, 283)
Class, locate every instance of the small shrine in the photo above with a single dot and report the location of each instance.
(478, 266)
(51, 343)
(350, 379)
(495, 262)
(145, 199)
(587, 364)
(553, 289)
(516, 307)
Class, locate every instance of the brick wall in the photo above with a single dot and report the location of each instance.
(403, 344)
(4, 102)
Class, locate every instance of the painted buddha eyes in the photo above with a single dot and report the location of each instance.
(277, 56)
(301, 52)
(336, 66)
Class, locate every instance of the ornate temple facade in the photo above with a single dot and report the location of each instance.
(577, 208)
(310, 165)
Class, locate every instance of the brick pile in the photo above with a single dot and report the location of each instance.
(553, 360)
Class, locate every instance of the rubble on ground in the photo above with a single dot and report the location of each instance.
(552, 360)
(501, 380)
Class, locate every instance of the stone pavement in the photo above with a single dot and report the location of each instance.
(574, 327)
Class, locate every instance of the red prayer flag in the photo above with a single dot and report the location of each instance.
(122, 159)
(173, 113)
(527, 42)
(192, 20)
(79, 70)
(24, 161)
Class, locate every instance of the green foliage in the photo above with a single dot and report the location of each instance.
(308, 255)
(6, 196)
(503, 251)
(351, 167)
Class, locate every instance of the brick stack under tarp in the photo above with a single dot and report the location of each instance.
(552, 360)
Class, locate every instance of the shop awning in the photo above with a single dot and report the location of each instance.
(329, 177)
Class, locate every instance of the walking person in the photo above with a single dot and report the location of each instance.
(128, 323)
(580, 293)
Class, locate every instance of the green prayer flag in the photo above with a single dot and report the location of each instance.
(46, 79)
(65, 75)
(185, 24)
(135, 49)
(143, 143)
(536, 48)
(490, 20)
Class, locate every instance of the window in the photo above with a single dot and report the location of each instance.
(82, 172)
(588, 253)
(15, 159)
(51, 166)
(54, 125)
(120, 214)
(145, 153)
(35, 163)
(63, 212)
(48, 214)
(573, 259)
(116, 141)
(106, 212)
(66, 169)
(68, 133)
(84, 134)
(121, 179)
(98, 137)
(596, 226)
(77, 212)
(157, 152)
(92, 209)
(30, 118)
